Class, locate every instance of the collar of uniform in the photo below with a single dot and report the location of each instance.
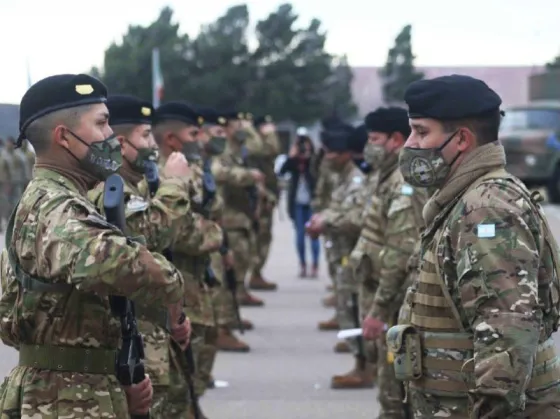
(52, 174)
(390, 163)
(348, 168)
(131, 176)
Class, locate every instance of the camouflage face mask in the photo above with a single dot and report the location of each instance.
(426, 167)
(374, 154)
(191, 150)
(216, 146)
(103, 158)
(145, 155)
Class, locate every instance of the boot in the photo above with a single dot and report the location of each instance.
(331, 324)
(330, 301)
(247, 325)
(303, 271)
(247, 300)
(342, 347)
(228, 342)
(258, 283)
(362, 376)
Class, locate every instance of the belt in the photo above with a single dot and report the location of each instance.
(68, 359)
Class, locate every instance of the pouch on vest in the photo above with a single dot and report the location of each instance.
(404, 342)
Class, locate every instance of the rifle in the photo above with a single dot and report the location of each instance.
(152, 178)
(130, 365)
(252, 192)
(356, 318)
(231, 281)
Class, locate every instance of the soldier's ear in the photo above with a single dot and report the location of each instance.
(61, 136)
(122, 140)
(467, 139)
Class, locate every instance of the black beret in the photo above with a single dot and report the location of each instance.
(261, 120)
(58, 92)
(127, 109)
(450, 97)
(388, 120)
(331, 121)
(211, 116)
(358, 139)
(337, 139)
(233, 115)
(177, 111)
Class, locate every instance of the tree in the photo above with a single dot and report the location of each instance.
(399, 70)
(288, 74)
(554, 64)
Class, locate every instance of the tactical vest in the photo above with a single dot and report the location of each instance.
(435, 329)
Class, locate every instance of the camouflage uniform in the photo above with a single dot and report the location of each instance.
(264, 161)
(162, 220)
(67, 337)
(392, 228)
(485, 303)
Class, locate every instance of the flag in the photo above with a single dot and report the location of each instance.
(157, 79)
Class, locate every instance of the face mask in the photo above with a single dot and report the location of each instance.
(191, 150)
(216, 146)
(425, 167)
(144, 154)
(103, 158)
(240, 136)
(375, 154)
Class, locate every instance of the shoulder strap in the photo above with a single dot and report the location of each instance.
(28, 282)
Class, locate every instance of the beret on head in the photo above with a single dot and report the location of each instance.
(211, 116)
(358, 139)
(58, 92)
(388, 120)
(337, 139)
(450, 97)
(127, 109)
(177, 111)
(261, 120)
(233, 115)
(330, 122)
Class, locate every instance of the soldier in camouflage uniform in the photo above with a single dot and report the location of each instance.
(392, 226)
(341, 220)
(163, 219)
(477, 343)
(264, 161)
(238, 185)
(5, 182)
(62, 261)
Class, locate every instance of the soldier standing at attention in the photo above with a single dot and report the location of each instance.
(339, 221)
(392, 227)
(486, 300)
(264, 161)
(163, 220)
(62, 260)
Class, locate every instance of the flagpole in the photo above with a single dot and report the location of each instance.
(29, 83)
(156, 77)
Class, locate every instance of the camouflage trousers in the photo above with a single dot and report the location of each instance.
(263, 240)
(173, 401)
(332, 261)
(345, 287)
(242, 245)
(222, 298)
(366, 295)
(44, 394)
(391, 391)
(204, 350)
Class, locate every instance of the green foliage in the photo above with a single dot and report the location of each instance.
(288, 74)
(399, 70)
(554, 64)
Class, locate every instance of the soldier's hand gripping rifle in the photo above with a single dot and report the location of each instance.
(130, 365)
(357, 324)
(152, 178)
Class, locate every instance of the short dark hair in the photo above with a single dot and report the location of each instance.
(485, 127)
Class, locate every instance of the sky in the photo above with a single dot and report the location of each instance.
(60, 36)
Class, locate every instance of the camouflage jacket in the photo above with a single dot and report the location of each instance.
(341, 215)
(323, 188)
(60, 237)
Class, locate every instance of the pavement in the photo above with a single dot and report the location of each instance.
(287, 373)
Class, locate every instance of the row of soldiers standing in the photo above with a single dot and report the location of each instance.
(16, 167)
(199, 191)
(444, 259)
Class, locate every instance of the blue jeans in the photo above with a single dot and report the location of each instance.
(302, 214)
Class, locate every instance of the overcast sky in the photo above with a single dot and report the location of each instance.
(69, 36)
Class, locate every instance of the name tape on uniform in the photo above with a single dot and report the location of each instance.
(486, 231)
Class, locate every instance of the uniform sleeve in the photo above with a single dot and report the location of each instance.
(83, 247)
(400, 237)
(348, 216)
(497, 261)
(229, 174)
(254, 143)
(271, 145)
(206, 237)
(8, 300)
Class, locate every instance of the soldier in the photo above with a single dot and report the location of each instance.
(5, 184)
(165, 219)
(238, 185)
(358, 143)
(264, 161)
(392, 226)
(176, 127)
(341, 220)
(62, 261)
(486, 300)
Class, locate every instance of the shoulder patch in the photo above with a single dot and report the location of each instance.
(407, 190)
(357, 179)
(486, 231)
(136, 204)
